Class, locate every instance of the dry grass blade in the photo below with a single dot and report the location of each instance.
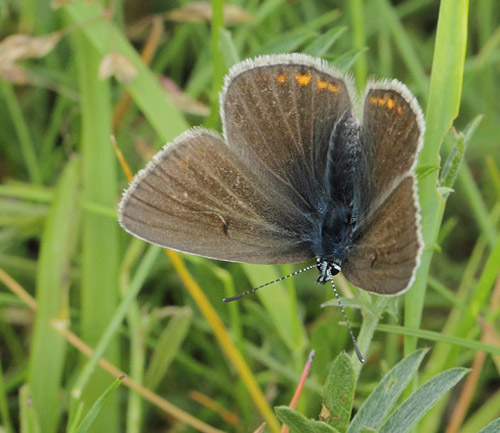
(227, 415)
(118, 66)
(19, 47)
(147, 54)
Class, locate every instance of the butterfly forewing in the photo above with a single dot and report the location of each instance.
(197, 197)
(391, 134)
(278, 113)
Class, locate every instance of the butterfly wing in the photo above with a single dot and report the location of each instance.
(197, 197)
(386, 251)
(278, 113)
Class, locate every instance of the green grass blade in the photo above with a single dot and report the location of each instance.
(320, 46)
(167, 346)
(484, 414)
(100, 248)
(359, 41)
(441, 338)
(28, 418)
(4, 408)
(48, 348)
(389, 18)
(279, 305)
(97, 407)
(117, 318)
(218, 64)
(442, 109)
(21, 128)
(492, 427)
(144, 88)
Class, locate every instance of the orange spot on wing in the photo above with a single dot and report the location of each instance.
(281, 78)
(303, 79)
(333, 88)
(321, 84)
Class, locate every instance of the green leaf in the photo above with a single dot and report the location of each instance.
(338, 394)
(144, 89)
(492, 427)
(285, 43)
(424, 171)
(48, 348)
(167, 346)
(442, 109)
(28, 419)
(298, 423)
(286, 318)
(416, 405)
(226, 45)
(346, 60)
(382, 399)
(322, 44)
(97, 406)
(455, 158)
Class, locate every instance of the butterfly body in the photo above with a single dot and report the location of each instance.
(336, 221)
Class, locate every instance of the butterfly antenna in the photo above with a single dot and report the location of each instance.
(234, 298)
(356, 348)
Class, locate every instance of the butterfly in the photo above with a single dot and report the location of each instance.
(301, 172)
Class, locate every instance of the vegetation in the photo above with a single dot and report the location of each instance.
(82, 303)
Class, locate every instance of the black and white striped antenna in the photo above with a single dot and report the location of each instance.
(248, 292)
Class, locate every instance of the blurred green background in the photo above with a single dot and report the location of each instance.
(61, 182)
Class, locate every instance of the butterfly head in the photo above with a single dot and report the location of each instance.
(327, 269)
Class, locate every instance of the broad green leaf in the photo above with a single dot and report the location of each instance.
(416, 405)
(338, 394)
(298, 423)
(385, 395)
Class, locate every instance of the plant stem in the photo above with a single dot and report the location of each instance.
(370, 321)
